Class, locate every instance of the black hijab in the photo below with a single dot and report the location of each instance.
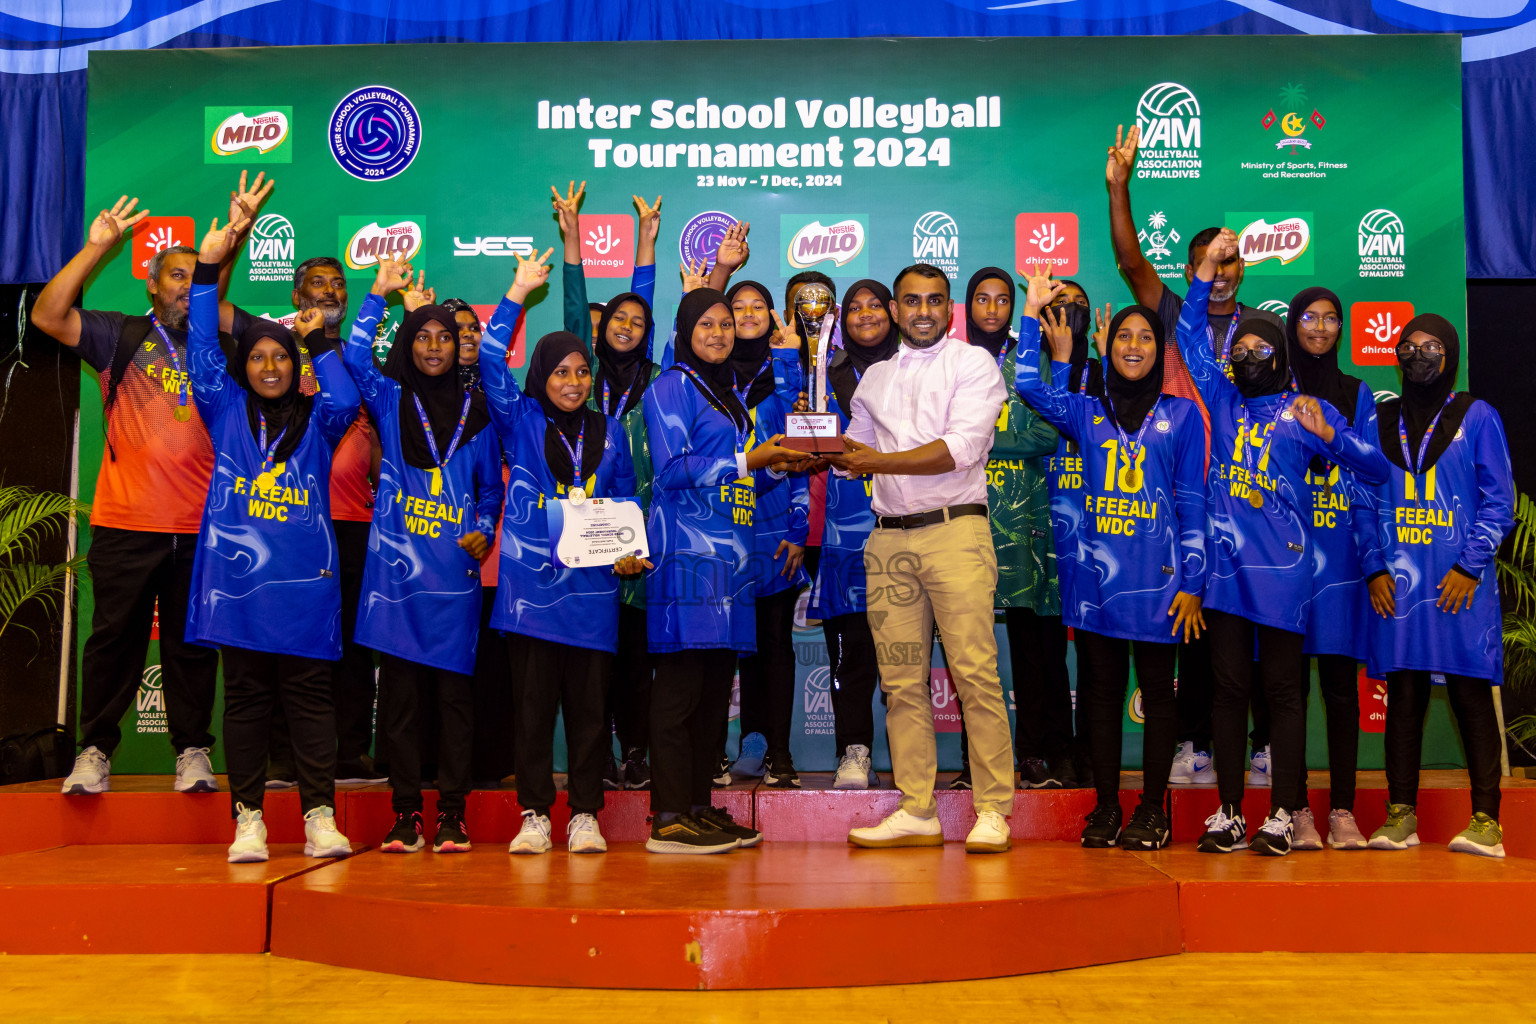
(1320, 376)
(847, 364)
(748, 357)
(441, 396)
(1080, 320)
(287, 414)
(718, 378)
(549, 353)
(992, 341)
(1422, 402)
(620, 369)
(1133, 399)
(1269, 378)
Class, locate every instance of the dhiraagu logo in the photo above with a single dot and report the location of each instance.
(836, 243)
(251, 134)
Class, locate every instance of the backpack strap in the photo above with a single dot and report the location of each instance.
(135, 330)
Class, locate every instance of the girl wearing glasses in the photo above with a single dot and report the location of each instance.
(1263, 440)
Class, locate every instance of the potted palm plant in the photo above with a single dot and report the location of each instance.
(1517, 581)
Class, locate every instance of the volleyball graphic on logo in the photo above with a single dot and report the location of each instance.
(1167, 99)
(375, 133)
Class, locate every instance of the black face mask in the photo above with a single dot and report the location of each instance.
(1074, 316)
(1421, 369)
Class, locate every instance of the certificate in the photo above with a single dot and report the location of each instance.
(595, 533)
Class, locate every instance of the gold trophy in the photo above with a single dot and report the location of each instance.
(815, 431)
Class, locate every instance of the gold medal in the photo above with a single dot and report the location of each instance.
(1132, 478)
(265, 481)
(577, 495)
(183, 414)
(1256, 497)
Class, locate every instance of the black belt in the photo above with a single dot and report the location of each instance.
(918, 520)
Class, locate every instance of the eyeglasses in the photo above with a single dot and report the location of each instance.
(1257, 354)
(1432, 349)
(1328, 321)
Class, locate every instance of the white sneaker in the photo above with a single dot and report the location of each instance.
(533, 837)
(321, 837)
(582, 835)
(250, 845)
(990, 834)
(899, 829)
(194, 772)
(853, 768)
(1260, 773)
(1191, 767)
(91, 775)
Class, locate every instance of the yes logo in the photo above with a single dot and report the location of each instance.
(1376, 328)
(156, 234)
(1047, 239)
(607, 244)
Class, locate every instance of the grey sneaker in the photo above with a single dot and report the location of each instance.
(250, 845)
(1304, 831)
(321, 837)
(1343, 833)
(92, 774)
(1482, 837)
(194, 772)
(853, 769)
(1399, 831)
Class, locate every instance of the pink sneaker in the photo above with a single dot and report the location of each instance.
(1304, 835)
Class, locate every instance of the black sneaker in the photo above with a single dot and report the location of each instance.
(613, 777)
(687, 834)
(637, 774)
(1033, 774)
(1225, 831)
(963, 780)
(1101, 828)
(452, 836)
(723, 775)
(405, 837)
(1149, 829)
(779, 771)
(1068, 772)
(1273, 839)
(722, 820)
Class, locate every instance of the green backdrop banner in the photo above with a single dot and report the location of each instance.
(1338, 159)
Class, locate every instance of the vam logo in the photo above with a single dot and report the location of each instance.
(1274, 243)
(818, 691)
(1168, 117)
(149, 703)
(936, 240)
(258, 135)
(1383, 245)
(1376, 328)
(271, 249)
(1277, 307)
(371, 242)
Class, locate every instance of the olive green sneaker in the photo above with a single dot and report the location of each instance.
(1482, 837)
(1399, 831)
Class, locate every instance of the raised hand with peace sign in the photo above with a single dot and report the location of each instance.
(532, 273)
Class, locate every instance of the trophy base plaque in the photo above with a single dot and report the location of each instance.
(815, 433)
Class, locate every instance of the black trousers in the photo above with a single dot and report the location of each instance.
(404, 688)
(493, 745)
(1106, 662)
(1336, 676)
(1196, 691)
(547, 679)
(1472, 701)
(768, 677)
(855, 674)
(689, 708)
(130, 569)
(254, 682)
(629, 691)
(1232, 648)
(1042, 689)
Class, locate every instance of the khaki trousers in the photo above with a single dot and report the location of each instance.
(947, 573)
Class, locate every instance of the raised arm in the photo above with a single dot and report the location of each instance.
(730, 255)
(1142, 276)
(489, 490)
(1332, 438)
(375, 388)
(505, 400)
(54, 312)
(1038, 436)
(1194, 329)
(244, 204)
(645, 237)
(573, 276)
(336, 403)
(206, 362)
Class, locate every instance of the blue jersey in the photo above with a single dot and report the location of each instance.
(1064, 477)
(1141, 536)
(574, 606)
(1455, 514)
(265, 574)
(847, 522)
(1261, 558)
(702, 593)
(421, 591)
(783, 501)
(1341, 525)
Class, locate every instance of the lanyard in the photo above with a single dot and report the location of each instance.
(1402, 436)
(741, 392)
(623, 399)
(1224, 357)
(1002, 353)
(1269, 442)
(576, 452)
(182, 412)
(426, 427)
(1081, 387)
(265, 479)
(742, 432)
(1129, 448)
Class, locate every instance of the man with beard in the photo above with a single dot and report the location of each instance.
(150, 492)
(922, 423)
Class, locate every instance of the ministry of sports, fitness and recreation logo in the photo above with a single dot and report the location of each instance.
(936, 240)
(1168, 116)
(375, 133)
(249, 135)
(364, 241)
(701, 237)
(271, 249)
(1273, 243)
(1293, 123)
(1383, 245)
(1157, 240)
(811, 240)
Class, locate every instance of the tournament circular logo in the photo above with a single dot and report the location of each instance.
(1164, 426)
(375, 133)
(701, 237)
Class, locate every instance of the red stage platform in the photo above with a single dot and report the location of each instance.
(142, 870)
